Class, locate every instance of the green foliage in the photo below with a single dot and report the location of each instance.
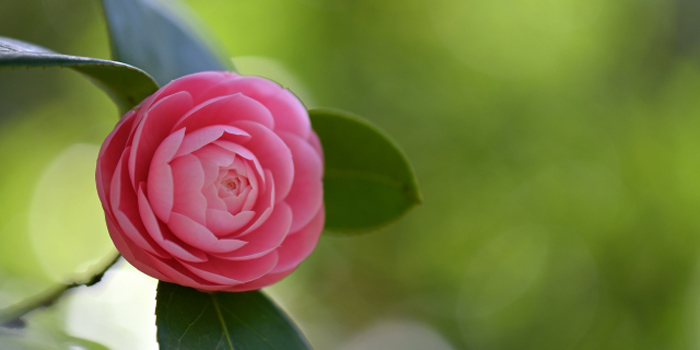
(368, 181)
(126, 85)
(157, 38)
(189, 319)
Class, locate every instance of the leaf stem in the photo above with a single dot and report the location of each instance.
(12, 316)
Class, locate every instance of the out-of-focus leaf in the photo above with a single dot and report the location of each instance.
(157, 38)
(44, 329)
(126, 85)
(190, 319)
(368, 181)
(70, 238)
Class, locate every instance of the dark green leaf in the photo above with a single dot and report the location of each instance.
(190, 319)
(368, 181)
(155, 37)
(126, 85)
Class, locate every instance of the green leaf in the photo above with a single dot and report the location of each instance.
(368, 181)
(155, 37)
(126, 85)
(190, 319)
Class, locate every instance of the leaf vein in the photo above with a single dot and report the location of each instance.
(221, 319)
(261, 336)
(371, 177)
(179, 340)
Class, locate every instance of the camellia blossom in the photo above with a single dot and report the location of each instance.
(214, 182)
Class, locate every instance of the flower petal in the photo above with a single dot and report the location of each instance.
(264, 281)
(241, 270)
(224, 110)
(272, 153)
(155, 126)
(177, 273)
(289, 113)
(110, 153)
(199, 236)
(266, 237)
(197, 85)
(306, 195)
(199, 138)
(188, 180)
(223, 223)
(125, 211)
(161, 186)
(299, 245)
(153, 227)
(265, 204)
(133, 254)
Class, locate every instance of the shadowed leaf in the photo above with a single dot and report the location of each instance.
(157, 38)
(126, 85)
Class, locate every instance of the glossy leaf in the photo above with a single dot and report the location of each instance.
(126, 85)
(156, 38)
(190, 319)
(368, 181)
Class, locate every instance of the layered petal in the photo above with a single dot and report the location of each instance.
(306, 195)
(289, 113)
(155, 126)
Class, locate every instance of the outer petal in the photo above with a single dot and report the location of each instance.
(289, 113)
(154, 128)
(315, 142)
(225, 110)
(110, 153)
(133, 254)
(124, 210)
(197, 85)
(298, 246)
(177, 273)
(264, 281)
(239, 271)
(306, 196)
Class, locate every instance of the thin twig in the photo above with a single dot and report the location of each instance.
(13, 315)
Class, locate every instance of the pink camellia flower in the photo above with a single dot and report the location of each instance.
(214, 182)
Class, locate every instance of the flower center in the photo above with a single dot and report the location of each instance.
(232, 184)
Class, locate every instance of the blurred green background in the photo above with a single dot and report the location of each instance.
(556, 143)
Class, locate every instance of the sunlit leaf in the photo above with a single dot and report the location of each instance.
(368, 181)
(126, 85)
(190, 319)
(157, 38)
